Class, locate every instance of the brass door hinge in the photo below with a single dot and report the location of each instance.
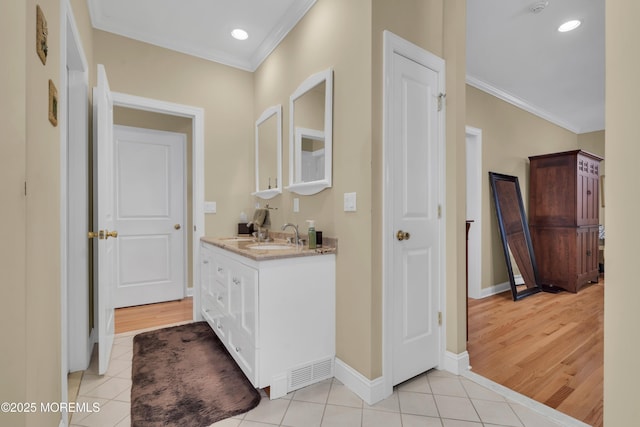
(439, 318)
(439, 211)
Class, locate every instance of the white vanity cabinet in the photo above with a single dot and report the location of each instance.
(276, 317)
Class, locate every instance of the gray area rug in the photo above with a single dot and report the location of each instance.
(183, 376)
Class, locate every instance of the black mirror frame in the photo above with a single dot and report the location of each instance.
(537, 287)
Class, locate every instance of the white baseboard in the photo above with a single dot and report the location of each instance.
(456, 363)
(371, 391)
(546, 411)
(494, 290)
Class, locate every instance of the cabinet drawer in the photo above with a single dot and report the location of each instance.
(244, 354)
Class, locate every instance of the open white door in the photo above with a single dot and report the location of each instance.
(104, 247)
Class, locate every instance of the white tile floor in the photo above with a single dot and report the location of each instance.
(436, 398)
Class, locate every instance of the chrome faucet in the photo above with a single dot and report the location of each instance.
(295, 227)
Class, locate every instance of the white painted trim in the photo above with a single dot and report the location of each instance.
(494, 290)
(189, 292)
(520, 103)
(313, 187)
(269, 193)
(394, 44)
(456, 363)
(196, 115)
(563, 419)
(474, 207)
(72, 58)
(371, 391)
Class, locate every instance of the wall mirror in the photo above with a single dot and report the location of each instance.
(514, 231)
(269, 153)
(310, 134)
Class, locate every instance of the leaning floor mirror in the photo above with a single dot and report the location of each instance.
(514, 231)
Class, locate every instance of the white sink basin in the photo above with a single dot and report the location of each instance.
(271, 247)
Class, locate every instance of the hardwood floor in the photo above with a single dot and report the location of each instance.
(150, 315)
(549, 347)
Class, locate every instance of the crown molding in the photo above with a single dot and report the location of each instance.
(521, 103)
(271, 41)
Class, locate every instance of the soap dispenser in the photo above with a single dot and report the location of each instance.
(312, 234)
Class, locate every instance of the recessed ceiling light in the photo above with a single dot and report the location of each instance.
(569, 25)
(239, 34)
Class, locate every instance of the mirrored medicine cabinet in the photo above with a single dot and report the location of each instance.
(268, 161)
(310, 134)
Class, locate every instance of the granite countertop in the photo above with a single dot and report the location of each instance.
(246, 246)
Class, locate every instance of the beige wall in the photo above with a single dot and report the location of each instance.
(42, 313)
(225, 94)
(334, 34)
(509, 136)
(622, 294)
(13, 208)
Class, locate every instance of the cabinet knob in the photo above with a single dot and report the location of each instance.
(206, 261)
(588, 252)
(238, 349)
(220, 298)
(236, 281)
(588, 192)
(219, 326)
(219, 269)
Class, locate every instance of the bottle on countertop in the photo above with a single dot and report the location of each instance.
(312, 234)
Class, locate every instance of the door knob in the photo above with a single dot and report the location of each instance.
(113, 234)
(177, 226)
(403, 235)
(92, 234)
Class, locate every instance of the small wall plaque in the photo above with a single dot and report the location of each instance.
(41, 35)
(53, 103)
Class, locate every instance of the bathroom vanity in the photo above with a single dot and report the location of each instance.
(273, 307)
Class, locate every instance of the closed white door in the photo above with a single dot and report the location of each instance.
(415, 183)
(149, 196)
(104, 247)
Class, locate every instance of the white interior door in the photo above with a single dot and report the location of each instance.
(150, 198)
(104, 245)
(415, 184)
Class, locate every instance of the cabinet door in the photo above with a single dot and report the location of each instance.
(587, 251)
(243, 299)
(587, 191)
(206, 270)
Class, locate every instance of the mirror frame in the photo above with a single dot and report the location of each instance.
(313, 187)
(267, 194)
(535, 287)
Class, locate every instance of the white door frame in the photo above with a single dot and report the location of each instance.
(396, 45)
(74, 304)
(475, 179)
(71, 51)
(196, 115)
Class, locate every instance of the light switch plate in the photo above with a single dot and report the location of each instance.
(210, 207)
(296, 205)
(349, 202)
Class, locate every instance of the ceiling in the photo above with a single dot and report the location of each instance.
(519, 55)
(203, 28)
(512, 52)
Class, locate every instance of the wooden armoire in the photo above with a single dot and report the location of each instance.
(564, 217)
